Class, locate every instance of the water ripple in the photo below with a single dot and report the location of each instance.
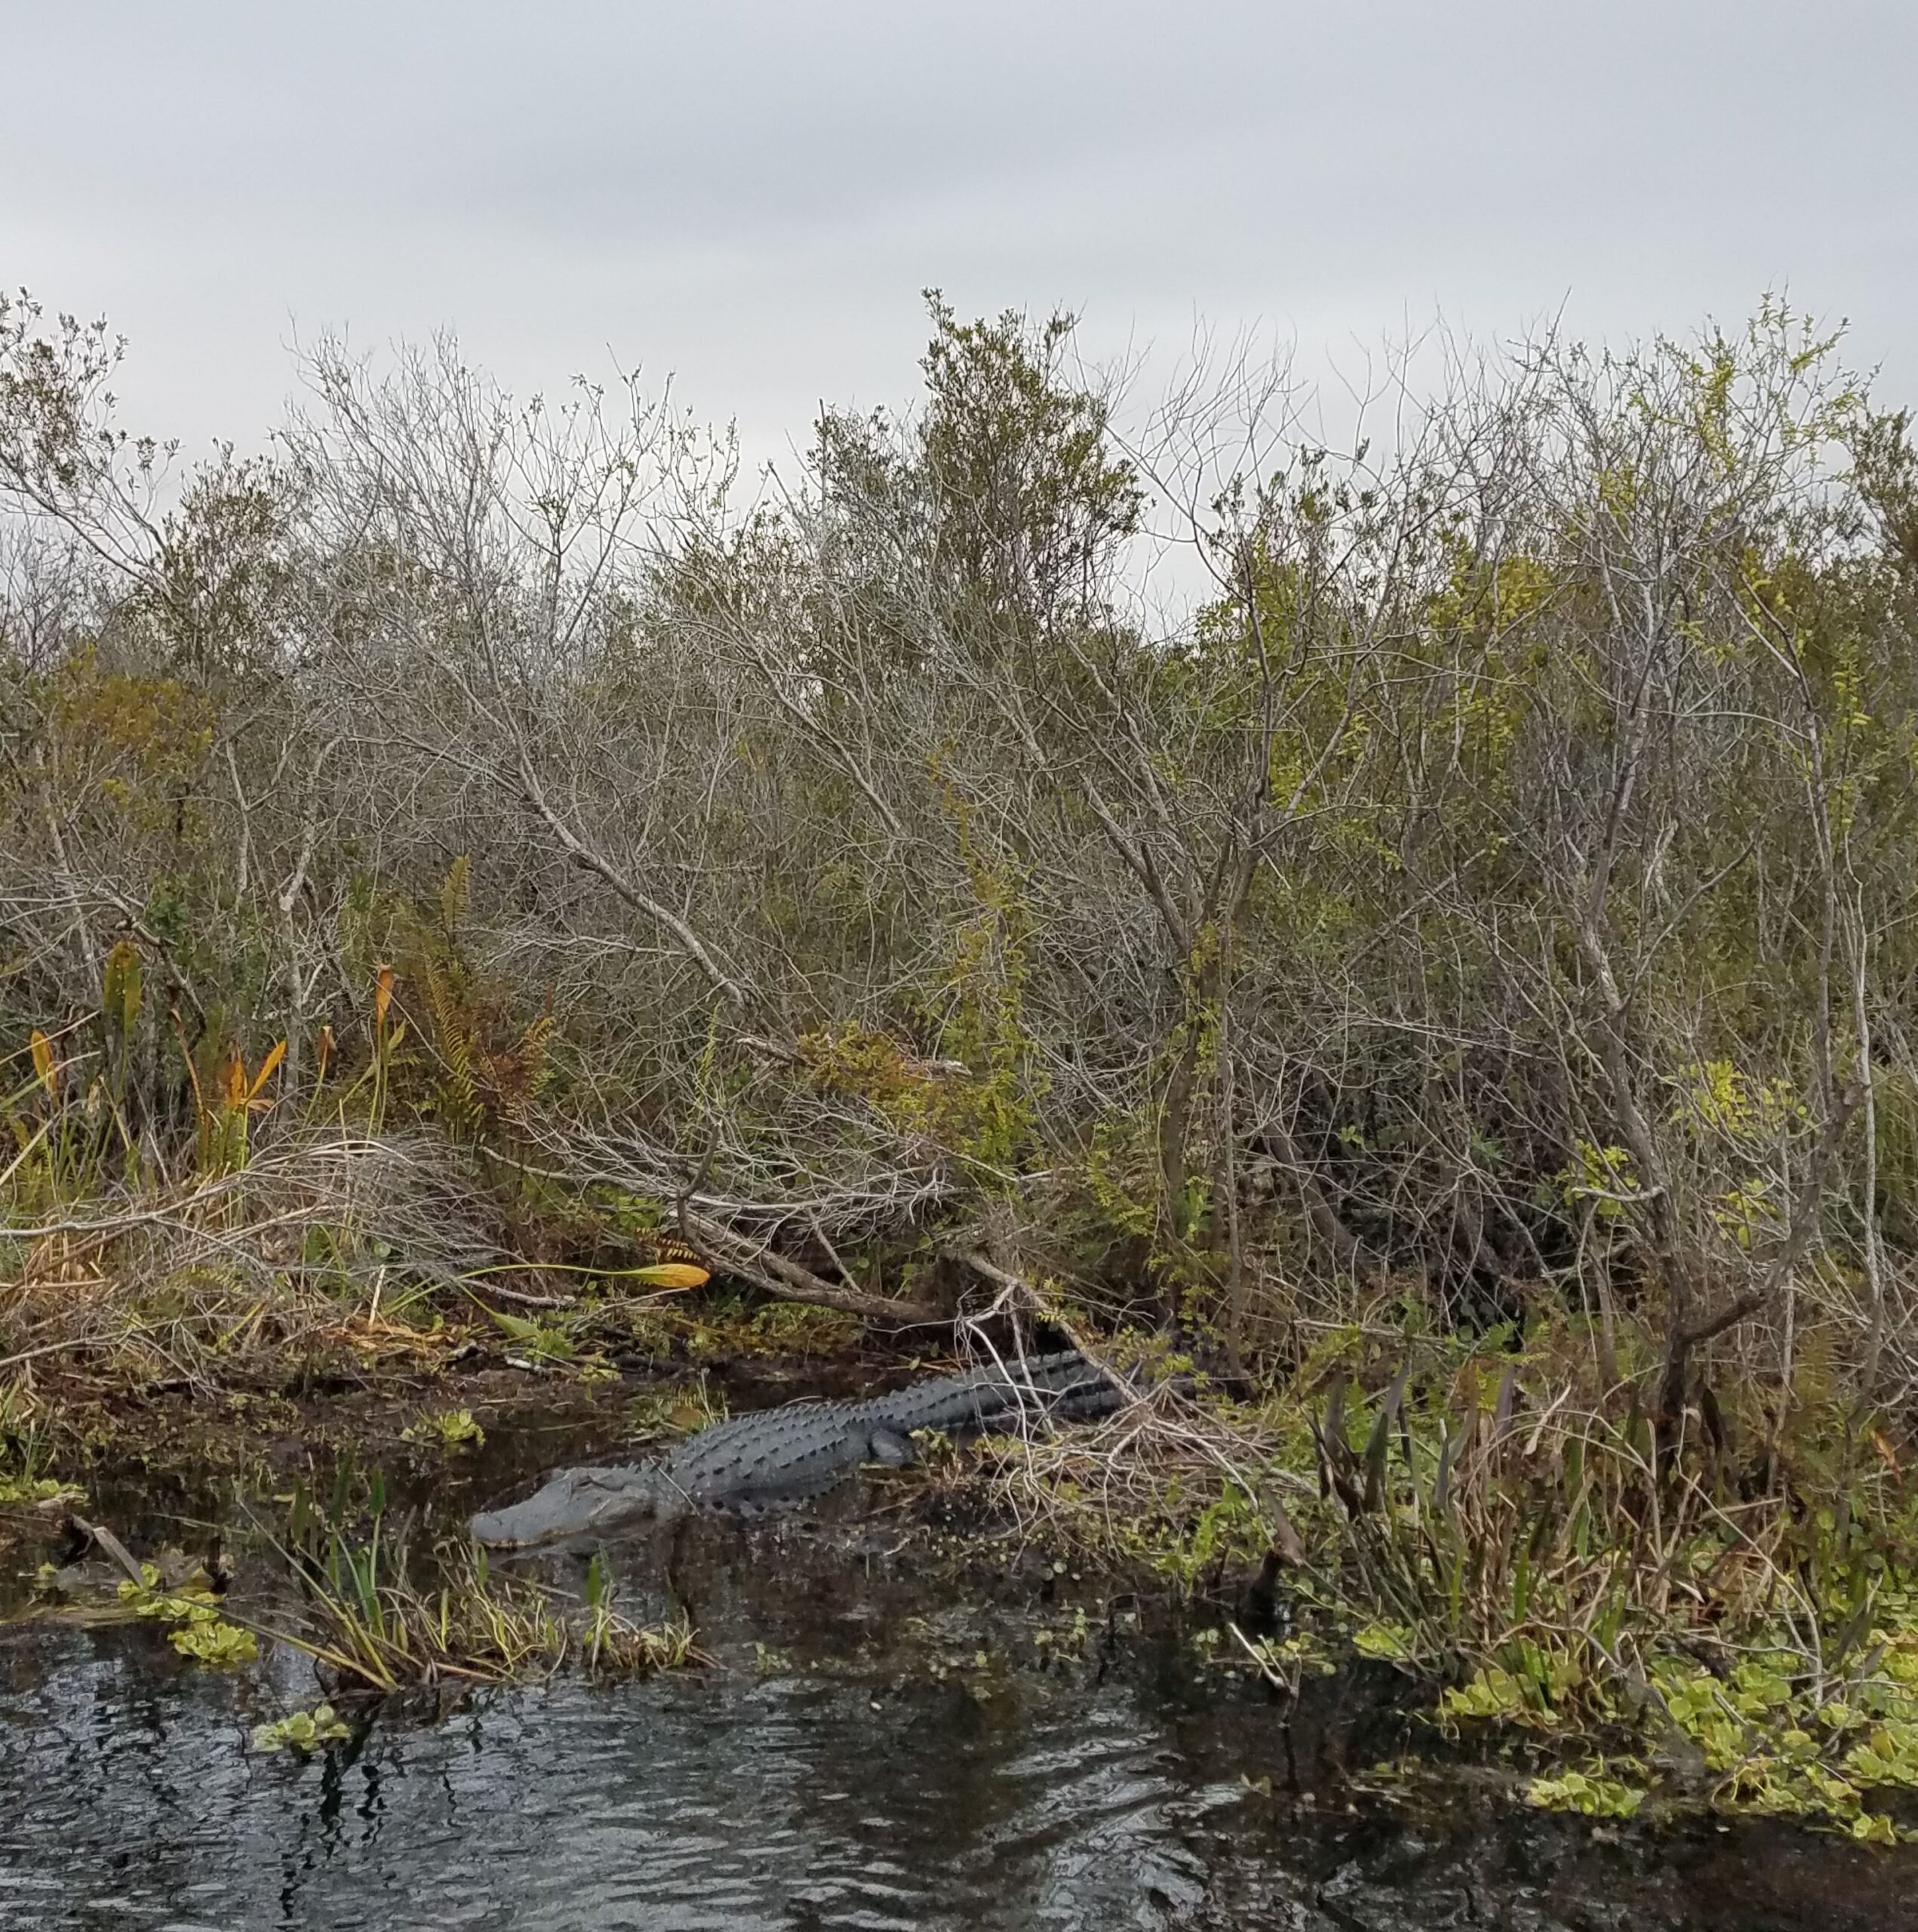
(128, 1801)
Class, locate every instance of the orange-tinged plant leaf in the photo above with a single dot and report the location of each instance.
(322, 1052)
(672, 1275)
(43, 1059)
(383, 994)
(233, 1080)
(277, 1053)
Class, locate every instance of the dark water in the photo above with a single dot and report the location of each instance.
(863, 1769)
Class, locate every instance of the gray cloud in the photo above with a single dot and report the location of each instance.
(754, 193)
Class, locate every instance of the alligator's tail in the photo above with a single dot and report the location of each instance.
(1065, 1387)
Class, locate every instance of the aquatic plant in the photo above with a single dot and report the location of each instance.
(1588, 1790)
(374, 1624)
(301, 1731)
(219, 1644)
(609, 1643)
(192, 1605)
(27, 1447)
(448, 1428)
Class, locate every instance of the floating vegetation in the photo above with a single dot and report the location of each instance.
(169, 1601)
(172, 1592)
(300, 1731)
(446, 1429)
(221, 1645)
(1589, 1791)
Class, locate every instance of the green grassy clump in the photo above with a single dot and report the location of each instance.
(1730, 1620)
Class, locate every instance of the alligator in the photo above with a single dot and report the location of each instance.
(775, 1456)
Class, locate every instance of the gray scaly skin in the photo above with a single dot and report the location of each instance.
(781, 1455)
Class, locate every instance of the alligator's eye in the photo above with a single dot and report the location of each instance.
(892, 1446)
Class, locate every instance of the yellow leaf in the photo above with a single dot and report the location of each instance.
(276, 1054)
(233, 1080)
(383, 994)
(43, 1059)
(672, 1275)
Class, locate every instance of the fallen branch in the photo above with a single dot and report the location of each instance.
(778, 1275)
(98, 1532)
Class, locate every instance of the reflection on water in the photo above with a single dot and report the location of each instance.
(721, 1803)
(865, 1771)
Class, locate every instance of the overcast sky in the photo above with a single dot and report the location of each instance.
(752, 194)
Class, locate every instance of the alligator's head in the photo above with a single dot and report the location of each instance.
(575, 1503)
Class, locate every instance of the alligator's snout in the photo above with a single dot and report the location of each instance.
(499, 1529)
(517, 1527)
(574, 1503)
